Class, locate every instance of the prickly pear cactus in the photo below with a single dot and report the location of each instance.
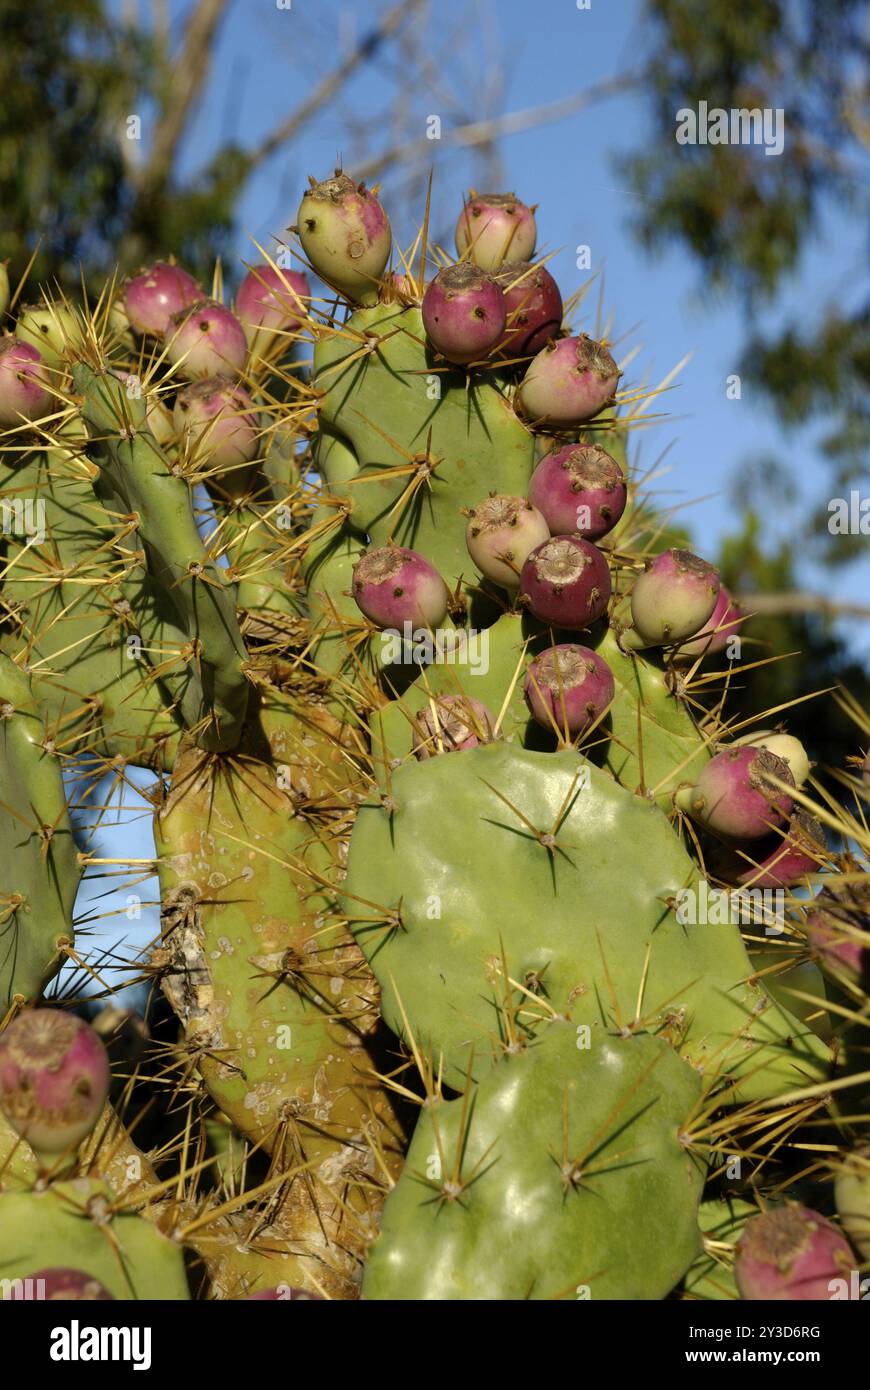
(493, 962)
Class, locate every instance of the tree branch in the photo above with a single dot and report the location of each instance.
(796, 602)
(325, 90)
(483, 132)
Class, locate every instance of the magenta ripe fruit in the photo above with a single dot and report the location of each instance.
(155, 295)
(54, 1078)
(500, 535)
(495, 227)
(218, 426)
(579, 488)
(673, 598)
(393, 586)
(346, 235)
(206, 340)
(787, 857)
(570, 381)
(533, 305)
(734, 795)
(23, 393)
(790, 1254)
(566, 582)
(451, 723)
(271, 298)
(567, 688)
(55, 1285)
(723, 623)
(464, 313)
(838, 928)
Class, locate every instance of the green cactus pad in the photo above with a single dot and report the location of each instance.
(71, 1225)
(564, 1178)
(39, 866)
(449, 878)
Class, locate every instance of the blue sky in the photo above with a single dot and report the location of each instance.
(269, 57)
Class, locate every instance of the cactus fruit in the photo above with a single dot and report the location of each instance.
(495, 227)
(791, 1254)
(54, 1079)
(533, 307)
(414, 699)
(24, 378)
(579, 488)
(346, 236)
(206, 340)
(501, 533)
(69, 1285)
(673, 598)
(566, 582)
(567, 688)
(737, 793)
(394, 586)
(154, 296)
(569, 382)
(464, 313)
(270, 298)
(217, 427)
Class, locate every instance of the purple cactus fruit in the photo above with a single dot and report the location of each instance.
(155, 295)
(495, 227)
(579, 488)
(284, 1294)
(570, 381)
(500, 535)
(451, 723)
(673, 598)
(838, 928)
(723, 623)
(270, 298)
(566, 582)
(787, 857)
(54, 1078)
(533, 305)
(206, 340)
(218, 426)
(567, 688)
(784, 746)
(22, 374)
(735, 796)
(346, 235)
(464, 313)
(58, 1284)
(398, 288)
(393, 586)
(790, 1254)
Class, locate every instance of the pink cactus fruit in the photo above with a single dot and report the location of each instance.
(838, 927)
(23, 392)
(464, 313)
(218, 427)
(271, 299)
(579, 488)
(567, 688)
(393, 586)
(724, 622)
(451, 723)
(495, 227)
(67, 1285)
(206, 340)
(156, 294)
(566, 582)
(736, 796)
(533, 305)
(570, 381)
(54, 1078)
(346, 235)
(791, 1254)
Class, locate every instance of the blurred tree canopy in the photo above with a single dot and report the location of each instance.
(747, 218)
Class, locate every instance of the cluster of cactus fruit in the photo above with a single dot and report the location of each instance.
(447, 802)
